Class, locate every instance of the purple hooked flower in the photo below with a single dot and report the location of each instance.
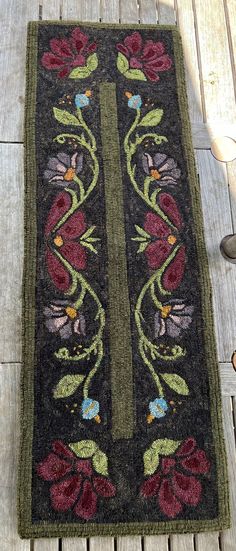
(63, 168)
(162, 168)
(173, 318)
(63, 318)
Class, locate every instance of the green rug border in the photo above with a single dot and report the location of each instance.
(44, 529)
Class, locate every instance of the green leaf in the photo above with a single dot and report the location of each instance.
(84, 448)
(176, 383)
(65, 117)
(151, 456)
(138, 239)
(141, 231)
(135, 74)
(67, 385)
(142, 247)
(88, 232)
(122, 63)
(152, 118)
(92, 62)
(89, 246)
(100, 463)
(92, 239)
(80, 72)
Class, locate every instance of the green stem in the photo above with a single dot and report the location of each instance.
(87, 129)
(81, 187)
(151, 369)
(157, 303)
(93, 371)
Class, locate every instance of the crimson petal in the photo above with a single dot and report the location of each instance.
(159, 64)
(197, 463)
(173, 274)
(150, 486)
(104, 487)
(74, 226)
(61, 47)
(156, 253)
(187, 446)
(87, 504)
(59, 447)
(187, 488)
(169, 207)
(64, 494)
(168, 503)
(134, 42)
(75, 254)
(51, 61)
(53, 468)
(60, 206)
(79, 39)
(84, 466)
(121, 48)
(58, 273)
(155, 225)
(150, 74)
(166, 464)
(152, 50)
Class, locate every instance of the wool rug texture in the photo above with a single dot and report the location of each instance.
(121, 428)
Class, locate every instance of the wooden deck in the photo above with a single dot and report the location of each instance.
(208, 29)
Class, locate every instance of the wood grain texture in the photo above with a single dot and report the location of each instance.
(46, 544)
(228, 379)
(231, 172)
(110, 11)
(231, 26)
(13, 24)
(11, 251)
(228, 537)
(215, 61)
(166, 12)
(185, 21)
(74, 544)
(148, 11)
(207, 542)
(83, 10)
(51, 9)
(183, 542)
(101, 544)
(217, 223)
(156, 543)
(9, 432)
(129, 543)
(129, 12)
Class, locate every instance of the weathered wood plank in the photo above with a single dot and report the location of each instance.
(50, 9)
(185, 542)
(11, 251)
(129, 543)
(46, 544)
(231, 25)
(217, 223)
(110, 11)
(166, 12)
(13, 23)
(185, 21)
(228, 379)
(129, 12)
(215, 61)
(101, 544)
(228, 537)
(83, 10)
(156, 543)
(207, 542)
(231, 171)
(74, 544)
(9, 412)
(148, 11)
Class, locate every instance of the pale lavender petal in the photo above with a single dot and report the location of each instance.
(50, 324)
(167, 181)
(175, 173)
(73, 160)
(59, 322)
(64, 158)
(52, 163)
(61, 168)
(178, 307)
(49, 174)
(82, 325)
(188, 310)
(58, 178)
(77, 326)
(172, 329)
(66, 331)
(158, 159)
(157, 323)
(147, 162)
(79, 163)
(169, 165)
(181, 321)
(162, 328)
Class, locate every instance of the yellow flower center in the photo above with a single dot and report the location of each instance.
(88, 93)
(171, 239)
(71, 312)
(128, 95)
(58, 241)
(155, 174)
(69, 175)
(165, 310)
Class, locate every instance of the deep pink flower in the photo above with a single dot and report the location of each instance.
(65, 241)
(66, 54)
(174, 483)
(75, 485)
(148, 56)
(164, 239)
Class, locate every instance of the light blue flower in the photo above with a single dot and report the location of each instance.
(82, 100)
(157, 408)
(90, 409)
(135, 102)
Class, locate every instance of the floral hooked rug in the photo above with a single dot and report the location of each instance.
(121, 415)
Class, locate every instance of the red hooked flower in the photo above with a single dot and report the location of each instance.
(148, 56)
(66, 54)
(65, 241)
(174, 484)
(75, 484)
(163, 242)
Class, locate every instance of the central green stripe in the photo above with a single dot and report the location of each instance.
(119, 307)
